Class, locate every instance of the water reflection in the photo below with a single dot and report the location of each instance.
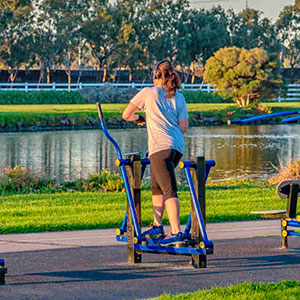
(239, 151)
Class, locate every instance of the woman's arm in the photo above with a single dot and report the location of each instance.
(129, 114)
(183, 125)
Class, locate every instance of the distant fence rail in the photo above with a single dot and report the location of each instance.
(293, 90)
(293, 93)
(28, 87)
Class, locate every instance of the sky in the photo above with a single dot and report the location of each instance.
(270, 8)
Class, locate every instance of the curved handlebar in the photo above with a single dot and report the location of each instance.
(100, 113)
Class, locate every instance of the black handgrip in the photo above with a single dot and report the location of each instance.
(99, 108)
(140, 119)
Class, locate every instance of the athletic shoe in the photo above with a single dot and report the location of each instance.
(173, 240)
(155, 232)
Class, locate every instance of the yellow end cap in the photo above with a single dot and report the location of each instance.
(298, 218)
(181, 165)
(202, 245)
(284, 233)
(284, 223)
(117, 162)
(135, 240)
(118, 231)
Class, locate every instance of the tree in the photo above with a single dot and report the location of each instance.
(15, 37)
(44, 39)
(200, 34)
(129, 53)
(69, 40)
(249, 29)
(101, 30)
(289, 31)
(247, 76)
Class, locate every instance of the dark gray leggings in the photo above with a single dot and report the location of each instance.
(163, 179)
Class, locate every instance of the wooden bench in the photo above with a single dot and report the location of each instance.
(290, 190)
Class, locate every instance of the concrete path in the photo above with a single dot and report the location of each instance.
(89, 265)
(71, 239)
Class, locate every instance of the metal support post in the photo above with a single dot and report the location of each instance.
(284, 234)
(292, 200)
(3, 271)
(198, 175)
(134, 175)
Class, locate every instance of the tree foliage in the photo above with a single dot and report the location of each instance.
(15, 41)
(247, 76)
(249, 29)
(289, 30)
(132, 34)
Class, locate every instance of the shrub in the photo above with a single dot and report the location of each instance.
(104, 181)
(248, 76)
(289, 171)
(41, 97)
(108, 94)
(104, 94)
(204, 97)
(19, 180)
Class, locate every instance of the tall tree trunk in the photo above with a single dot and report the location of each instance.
(79, 75)
(130, 75)
(12, 77)
(114, 75)
(104, 74)
(193, 74)
(69, 79)
(48, 75)
(42, 74)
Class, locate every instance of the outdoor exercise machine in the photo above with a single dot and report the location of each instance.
(3, 271)
(132, 166)
(290, 190)
(266, 116)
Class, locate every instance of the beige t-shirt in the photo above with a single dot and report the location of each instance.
(162, 115)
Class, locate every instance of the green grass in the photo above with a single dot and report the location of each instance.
(285, 290)
(71, 211)
(118, 108)
(12, 116)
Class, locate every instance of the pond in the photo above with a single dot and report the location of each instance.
(239, 151)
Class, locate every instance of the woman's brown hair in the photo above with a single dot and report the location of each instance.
(164, 70)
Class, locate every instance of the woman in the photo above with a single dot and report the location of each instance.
(167, 121)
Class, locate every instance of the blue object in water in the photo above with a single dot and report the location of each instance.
(266, 116)
(292, 119)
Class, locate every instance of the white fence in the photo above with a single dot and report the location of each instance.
(293, 92)
(27, 87)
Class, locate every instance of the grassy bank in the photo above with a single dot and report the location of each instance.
(31, 117)
(285, 290)
(86, 210)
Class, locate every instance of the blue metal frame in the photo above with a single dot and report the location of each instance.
(293, 233)
(124, 174)
(3, 271)
(145, 161)
(266, 116)
(208, 165)
(293, 223)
